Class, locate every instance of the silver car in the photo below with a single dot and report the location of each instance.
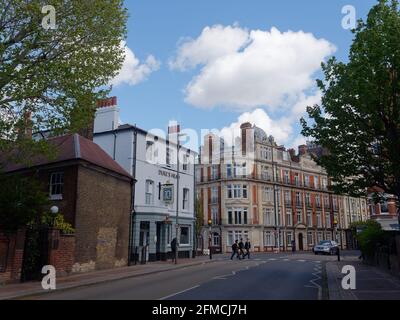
(326, 247)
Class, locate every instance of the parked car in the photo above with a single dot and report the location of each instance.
(326, 247)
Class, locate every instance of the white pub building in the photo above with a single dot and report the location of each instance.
(164, 192)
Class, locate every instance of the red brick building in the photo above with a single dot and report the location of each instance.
(385, 210)
(94, 194)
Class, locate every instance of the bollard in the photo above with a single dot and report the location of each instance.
(338, 254)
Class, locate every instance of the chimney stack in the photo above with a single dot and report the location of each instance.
(244, 128)
(107, 115)
(25, 131)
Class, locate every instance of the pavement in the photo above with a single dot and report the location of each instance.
(21, 290)
(372, 283)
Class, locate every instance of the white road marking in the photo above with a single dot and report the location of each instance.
(301, 260)
(316, 285)
(175, 294)
(285, 259)
(272, 259)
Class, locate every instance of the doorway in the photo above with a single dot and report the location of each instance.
(301, 245)
(36, 253)
(144, 241)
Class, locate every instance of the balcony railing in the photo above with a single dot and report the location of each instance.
(263, 177)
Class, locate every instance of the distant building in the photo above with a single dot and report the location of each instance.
(258, 190)
(152, 160)
(385, 210)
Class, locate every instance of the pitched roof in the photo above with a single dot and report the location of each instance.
(74, 147)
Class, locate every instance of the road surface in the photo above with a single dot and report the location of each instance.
(264, 277)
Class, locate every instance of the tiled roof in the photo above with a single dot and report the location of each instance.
(74, 147)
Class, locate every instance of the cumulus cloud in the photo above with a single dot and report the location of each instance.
(213, 43)
(267, 75)
(280, 129)
(133, 71)
(244, 69)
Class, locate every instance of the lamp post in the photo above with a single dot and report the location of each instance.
(209, 238)
(54, 211)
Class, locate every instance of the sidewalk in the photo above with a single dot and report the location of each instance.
(371, 283)
(19, 290)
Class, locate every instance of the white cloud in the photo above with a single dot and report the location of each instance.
(213, 43)
(133, 71)
(243, 69)
(266, 75)
(281, 129)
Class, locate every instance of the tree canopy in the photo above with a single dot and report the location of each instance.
(51, 78)
(358, 121)
(22, 201)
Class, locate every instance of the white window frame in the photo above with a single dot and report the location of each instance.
(289, 218)
(56, 182)
(186, 199)
(180, 235)
(149, 192)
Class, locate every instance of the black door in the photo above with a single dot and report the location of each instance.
(301, 247)
(36, 253)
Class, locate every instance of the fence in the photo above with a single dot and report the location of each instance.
(387, 257)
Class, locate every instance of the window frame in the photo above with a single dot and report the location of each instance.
(60, 184)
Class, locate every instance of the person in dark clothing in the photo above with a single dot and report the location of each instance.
(241, 248)
(235, 250)
(293, 246)
(247, 247)
(173, 249)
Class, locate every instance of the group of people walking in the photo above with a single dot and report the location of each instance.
(241, 250)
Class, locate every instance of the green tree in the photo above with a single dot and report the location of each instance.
(56, 75)
(198, 209)
(369, 235)
(22, 201)
(359, 119)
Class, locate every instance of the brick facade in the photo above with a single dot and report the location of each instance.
(96, 199)
(267, 190)
(61, 252)
(13, 249)
(102, 219)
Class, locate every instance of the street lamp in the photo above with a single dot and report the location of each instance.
(54, 210)
(209, 237)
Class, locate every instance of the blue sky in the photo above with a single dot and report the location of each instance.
(156, 29)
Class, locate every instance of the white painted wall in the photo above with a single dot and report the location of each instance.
(106, 119)
(120, 146)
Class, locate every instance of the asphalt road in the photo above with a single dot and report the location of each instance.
(264, 277)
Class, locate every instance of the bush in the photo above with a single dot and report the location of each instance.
(370, 238)
(58, 223)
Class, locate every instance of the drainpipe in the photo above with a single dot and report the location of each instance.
(133, 212)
